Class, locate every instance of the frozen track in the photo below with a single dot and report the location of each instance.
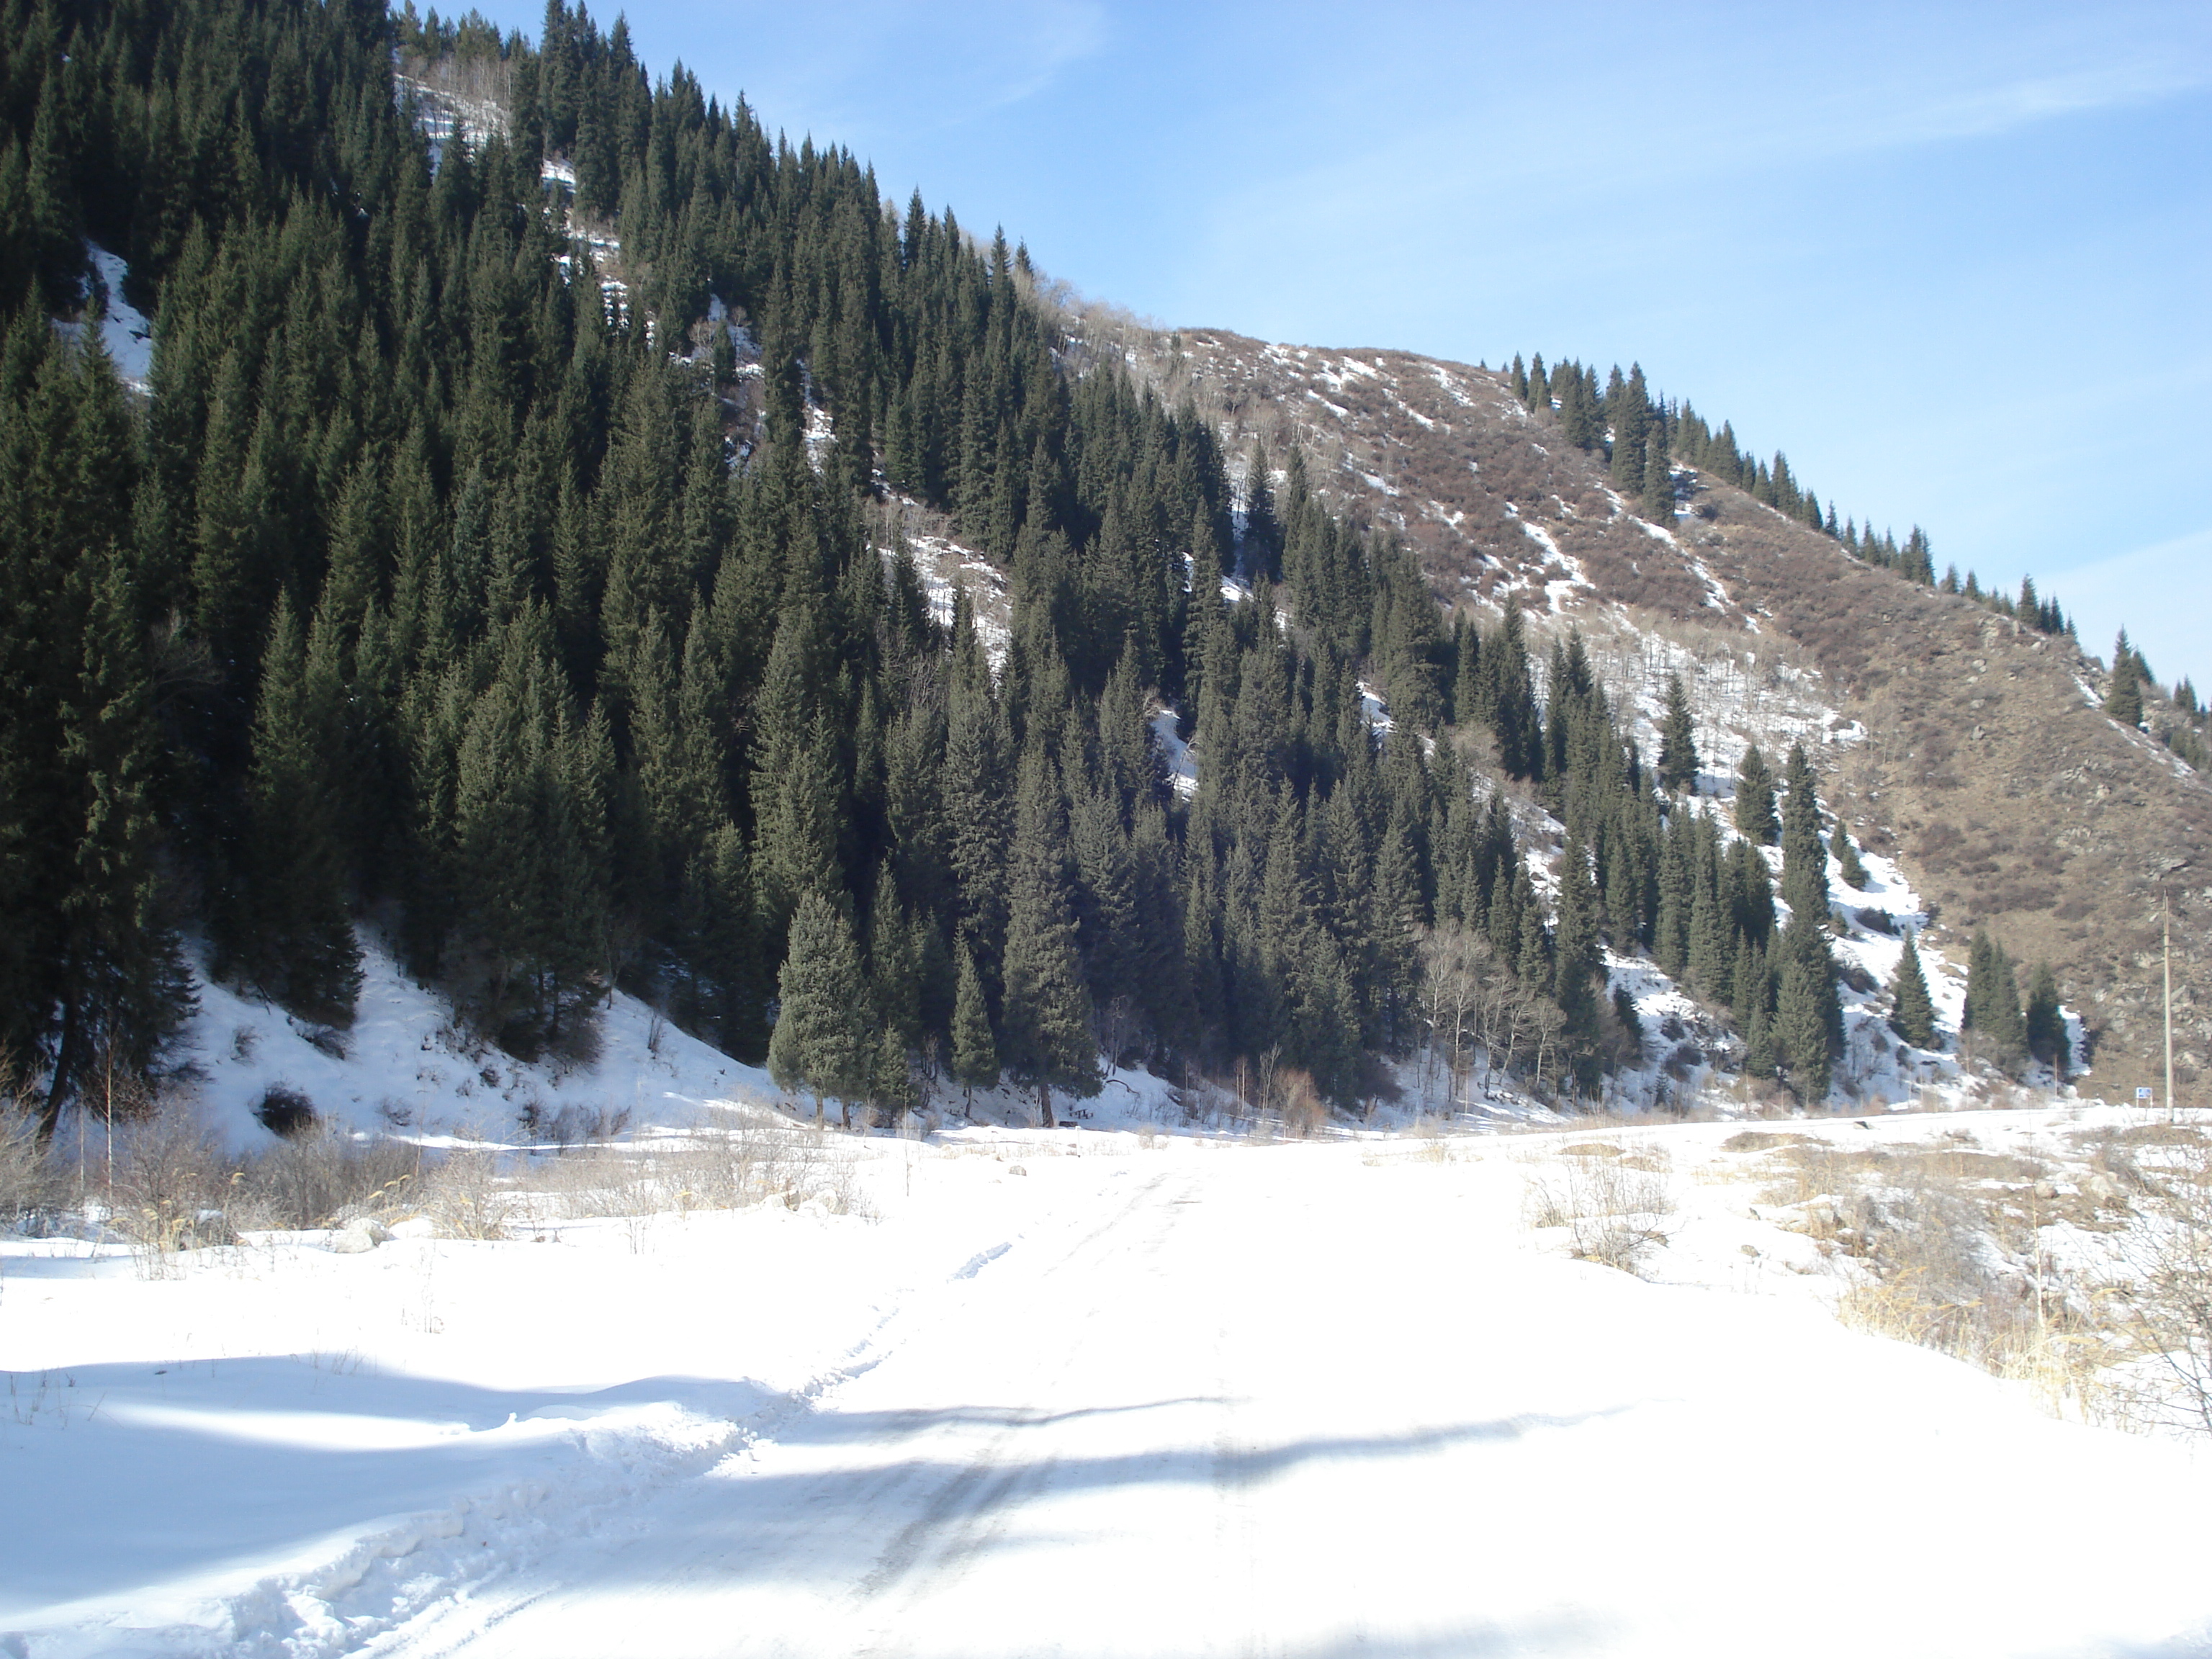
(1274, 1405)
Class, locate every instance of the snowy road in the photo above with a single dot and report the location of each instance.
(1279, 1403)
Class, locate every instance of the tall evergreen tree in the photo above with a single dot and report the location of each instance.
(1848, 863)
(2044, 1024)
(1804, 860)
(1993, 1012)
(1755, 815)
(1678, 743)
(821, 1043)
(975, 1053)
(1912, 1011)
(1801, 1032)
(2124, 695)
(297, 935)
(1047, 1042)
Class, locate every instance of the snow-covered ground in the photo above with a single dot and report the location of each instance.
(1083, 1394)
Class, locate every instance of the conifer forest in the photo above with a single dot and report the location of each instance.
(565, 634)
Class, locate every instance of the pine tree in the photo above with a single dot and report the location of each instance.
(1756, 815)
(1711, 956)
(1577, 962)
(1912, 1011)
(1759, 1045)
(1670, 941)
(1748, 890)
(1678, 743)
(821, 1042)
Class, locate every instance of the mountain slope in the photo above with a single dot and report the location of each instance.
(1970, 747)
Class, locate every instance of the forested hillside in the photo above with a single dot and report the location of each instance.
(509, 554)
(2038, 797)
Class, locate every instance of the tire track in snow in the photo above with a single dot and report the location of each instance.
(972, 1508)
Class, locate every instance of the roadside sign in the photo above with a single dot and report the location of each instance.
(2142, 1094)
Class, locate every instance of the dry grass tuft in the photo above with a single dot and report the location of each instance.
(1614, 1209)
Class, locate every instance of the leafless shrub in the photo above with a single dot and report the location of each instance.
(2168, 1324)
(170, 1180)
(26, 1181)
(464, 1196)
(321, 1178)
(751, 1163)
(1304, 1112)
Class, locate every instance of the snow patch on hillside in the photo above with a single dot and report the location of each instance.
(125, 332)
(1451, 386)
(1174, 753)
(945, 565)
(406, 1067)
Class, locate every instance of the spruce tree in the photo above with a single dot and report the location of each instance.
(1804, 860)
(1748, 891)
(974, 1055)
(2045, 1024)
(1678, 743)
(298, 938)
(1848, 864)
(1759, 1046)
(1658, 477)
(1912, 1011)
(1993, 1012)
(1577, 962)
(1801, 1032)
(1710, 955)
(120, 981)
(1048, 1041)
(1670, 942)
(1755, 815)
(821, 1042)
(2123, 696)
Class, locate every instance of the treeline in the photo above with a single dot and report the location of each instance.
(1642, 438)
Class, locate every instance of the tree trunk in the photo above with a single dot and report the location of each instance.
(66, 1060)
(1044, 1105)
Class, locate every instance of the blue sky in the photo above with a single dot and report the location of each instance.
(1955, 260)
